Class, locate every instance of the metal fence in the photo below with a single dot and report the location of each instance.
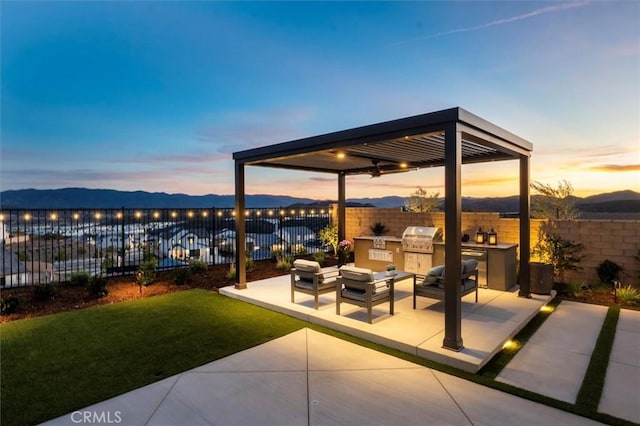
(42, 245)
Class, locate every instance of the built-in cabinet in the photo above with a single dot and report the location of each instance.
(418, 263)
(500, 263)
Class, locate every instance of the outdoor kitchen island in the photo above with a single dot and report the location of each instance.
(496, 263)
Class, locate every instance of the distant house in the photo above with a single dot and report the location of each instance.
(41, 272)
(186, 245)
(13, 273)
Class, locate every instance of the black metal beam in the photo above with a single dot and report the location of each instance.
(241, 228)
(525, 228)
(452, 232)
(342, 211)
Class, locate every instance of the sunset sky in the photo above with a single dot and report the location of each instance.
(156, 96)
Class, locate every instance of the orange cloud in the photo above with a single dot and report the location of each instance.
(616, 168)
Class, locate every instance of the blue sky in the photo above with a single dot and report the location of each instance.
(156, 96)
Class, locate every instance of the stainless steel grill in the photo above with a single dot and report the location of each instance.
(419, 239)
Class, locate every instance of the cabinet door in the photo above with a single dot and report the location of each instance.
(411, 262)
(424, 264)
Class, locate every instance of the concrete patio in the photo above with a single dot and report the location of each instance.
(486, 325)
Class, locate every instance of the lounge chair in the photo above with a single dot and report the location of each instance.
(433, 284)
(358, 286)
(308, 277)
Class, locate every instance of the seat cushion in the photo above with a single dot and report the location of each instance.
(356, 274)
(307, 269)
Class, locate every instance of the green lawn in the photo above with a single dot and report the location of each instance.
(55, 364)
(59, 363)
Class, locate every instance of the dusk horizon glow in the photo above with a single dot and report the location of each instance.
(156, 96)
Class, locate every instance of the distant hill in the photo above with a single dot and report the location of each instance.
(620, 202)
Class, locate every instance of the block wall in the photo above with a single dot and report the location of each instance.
(615, 240)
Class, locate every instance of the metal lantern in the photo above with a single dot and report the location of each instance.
(480, 236)
(492, 237)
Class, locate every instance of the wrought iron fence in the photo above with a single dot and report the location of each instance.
(43, 245)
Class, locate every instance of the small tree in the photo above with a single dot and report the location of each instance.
(329, 237)
(563, 254)
(421, 202)
(554, 203)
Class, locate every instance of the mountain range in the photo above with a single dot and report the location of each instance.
(614, 202)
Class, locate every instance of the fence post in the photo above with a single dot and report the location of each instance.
(122, 268)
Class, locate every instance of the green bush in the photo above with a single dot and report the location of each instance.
(320, 257)
(97, 286)
(628, 294)
(609, 271)
(79, 279)
(147, 272)
(9, 305)
(182, 276)
(231, 273)
(248, 263)
(378, 229)
(197, 266)
(284, 263)
(45, 291)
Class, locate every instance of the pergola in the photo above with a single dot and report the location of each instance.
(448, 138)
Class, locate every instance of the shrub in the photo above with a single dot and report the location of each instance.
(231, 273)
(197, 266)
(182, 276)
(79, 279)
(248, 263)
(97, 286)
(608, 272)
(9, 305)
(284, 263)
(563, 254)
(628, 294)
(319, 257)
(45, 291)
(299, 250)
(147, 272)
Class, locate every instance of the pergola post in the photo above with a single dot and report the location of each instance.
(342, 212)
(241, 228)
(452, 232)
(525, 227)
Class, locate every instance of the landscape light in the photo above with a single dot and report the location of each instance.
(293, 212)
(204, 214)
(27, 216)
(233, 213)
(220, 214)
(119, 215)
(174, 214)
(190, 214)
(341, 155)
(302, 212)
(247, 212)
(98, 215)
(1, 216)
(54, 216)
(403, 165)
(76, 216)
(270, 212)
(312, 211)
(138, 215)
(156, 215)
(281, 212)
(258, 213)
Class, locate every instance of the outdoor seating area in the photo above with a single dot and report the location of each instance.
(487, 322)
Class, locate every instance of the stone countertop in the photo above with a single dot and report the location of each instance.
(472, 245)
(385, 237)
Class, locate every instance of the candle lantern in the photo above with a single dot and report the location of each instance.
(480, 236)
(492, 237)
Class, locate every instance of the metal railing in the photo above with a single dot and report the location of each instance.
(46, 245)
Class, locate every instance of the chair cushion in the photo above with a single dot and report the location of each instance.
(306, 270)
(469, 266)
(356, 274)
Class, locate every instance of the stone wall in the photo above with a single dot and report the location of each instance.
(616, 240)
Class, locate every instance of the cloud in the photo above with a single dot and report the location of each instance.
(238, 130)
(537, 12)
(616, 168)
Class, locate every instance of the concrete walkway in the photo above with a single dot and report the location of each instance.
(555, 358)
(309, 378)
(621, 395)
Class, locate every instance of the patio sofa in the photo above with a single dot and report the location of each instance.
(308, 277)
(433, 284)
(358, 286)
